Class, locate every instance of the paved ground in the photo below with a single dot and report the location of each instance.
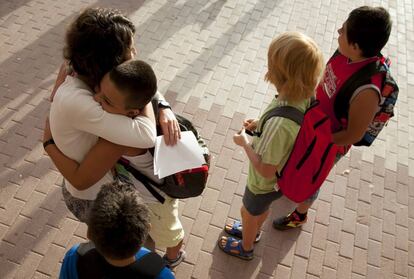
(210, 57)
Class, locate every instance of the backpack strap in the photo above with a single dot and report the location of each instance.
(147, 182)
(358, 79)
(336, 53)
(151, 263)
(85, 247)
(288, 112)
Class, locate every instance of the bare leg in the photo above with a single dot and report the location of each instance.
(173, 252)
(251, 225)
(303, 207)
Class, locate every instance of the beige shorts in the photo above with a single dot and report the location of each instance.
(166, 228)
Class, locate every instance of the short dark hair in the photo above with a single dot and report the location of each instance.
(118, 222)
(136, 79)
(370, 28)
(96, 41)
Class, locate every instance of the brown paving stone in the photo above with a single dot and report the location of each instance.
(334, 229)
(28, 268)
(375, 228)
(374, 272)
(193, 247)
(282, 271)
(201, 224)
(360, 266)
(191, 207)
(220, 214)
(361, 236)
(299, 268)
(210, 240)
(315, 261)
(378, 182)
(328, 273)
(223, 124)
(344, 268)
(346, 247)
(331, 255)
(227, 193)
(203, 265)
(303, 245)
(209, 200)
(323, 212)
(401, 262)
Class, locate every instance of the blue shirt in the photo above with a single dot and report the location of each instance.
(69, 265)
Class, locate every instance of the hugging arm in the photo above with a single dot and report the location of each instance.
(139, 132)
(59, 79)
(99, 160)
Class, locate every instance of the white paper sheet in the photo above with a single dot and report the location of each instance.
(186, 154)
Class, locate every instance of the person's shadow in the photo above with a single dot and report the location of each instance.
(274, 248)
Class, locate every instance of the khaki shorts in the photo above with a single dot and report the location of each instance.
(166, 228)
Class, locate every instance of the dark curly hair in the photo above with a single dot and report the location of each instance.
(370, 28)
(118, 223)
(96, 41)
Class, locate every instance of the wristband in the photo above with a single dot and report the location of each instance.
(163, 104)
(49, 141)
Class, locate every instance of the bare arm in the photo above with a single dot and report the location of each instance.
(87, 115)
(59, 79)
(361, 112)
(100, 159)
(265, 170)
(168, 122)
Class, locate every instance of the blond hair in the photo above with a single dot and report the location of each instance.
(295, 65)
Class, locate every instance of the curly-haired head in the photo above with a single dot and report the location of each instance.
(118, 222)
(96, 41)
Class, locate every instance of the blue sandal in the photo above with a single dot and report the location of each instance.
(237, 231)
(236, 251)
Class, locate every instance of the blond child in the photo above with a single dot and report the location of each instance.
(295, 64)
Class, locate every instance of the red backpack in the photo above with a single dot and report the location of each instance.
(389, 95)
(313, 154)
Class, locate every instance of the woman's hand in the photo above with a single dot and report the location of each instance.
(241, 138)
(60, 79)
(169, 125)
(47, 134)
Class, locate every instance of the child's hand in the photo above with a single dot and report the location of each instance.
(250, 124)
(47, 134)
(241, 138)
(59, 79)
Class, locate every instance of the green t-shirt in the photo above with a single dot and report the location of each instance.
(274, 145)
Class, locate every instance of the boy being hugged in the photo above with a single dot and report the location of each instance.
(295, 64)
(361, 39)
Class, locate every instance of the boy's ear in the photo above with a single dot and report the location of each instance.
(133, 113)
(355, 46)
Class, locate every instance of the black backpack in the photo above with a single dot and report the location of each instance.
(92, 265)
(181, 185)
(389, 95)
